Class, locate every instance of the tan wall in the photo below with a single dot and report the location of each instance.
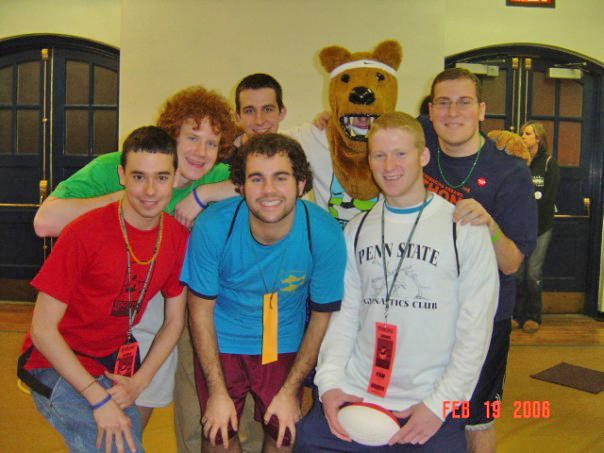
(573, 25)
(97, 20)
(168, 44)
(216, 43)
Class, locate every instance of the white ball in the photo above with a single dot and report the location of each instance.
(368, 424)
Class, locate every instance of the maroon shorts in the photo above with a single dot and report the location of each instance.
(243, 374)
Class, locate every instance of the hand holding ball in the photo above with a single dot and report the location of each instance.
(368, 424)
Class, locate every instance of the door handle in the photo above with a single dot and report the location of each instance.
(586, 210)
(43, 188)
(19, 205)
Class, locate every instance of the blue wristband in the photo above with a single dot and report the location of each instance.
(199, 202)
(100, 403)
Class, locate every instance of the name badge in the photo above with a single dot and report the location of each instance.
(270, 319)
(126, 358)
(383, 359)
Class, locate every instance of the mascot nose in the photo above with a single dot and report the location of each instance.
(361, 95)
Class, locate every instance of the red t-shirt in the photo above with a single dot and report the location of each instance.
(87, 270)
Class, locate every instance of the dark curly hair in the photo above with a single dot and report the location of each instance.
(269, 145)
(197, 103)
(150, 139)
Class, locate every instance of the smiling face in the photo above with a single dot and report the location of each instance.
(270, 191)
(197, 149)
(396, 163)
(457, 125)
(147, 180)
(259, 112)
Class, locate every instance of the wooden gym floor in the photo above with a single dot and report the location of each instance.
(576, 423)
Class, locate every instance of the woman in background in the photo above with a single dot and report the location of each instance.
(546, 178)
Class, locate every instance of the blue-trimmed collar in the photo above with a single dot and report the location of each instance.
(410, 210)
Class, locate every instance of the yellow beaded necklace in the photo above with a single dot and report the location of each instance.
(125, 236)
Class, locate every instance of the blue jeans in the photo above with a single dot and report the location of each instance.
(529, 283)
(69, 413)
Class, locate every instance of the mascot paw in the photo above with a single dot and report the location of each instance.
(511, 143)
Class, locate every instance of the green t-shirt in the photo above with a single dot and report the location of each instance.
(99, 177)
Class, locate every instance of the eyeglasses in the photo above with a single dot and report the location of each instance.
(462, 104)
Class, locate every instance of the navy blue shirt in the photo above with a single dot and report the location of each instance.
(502, 185)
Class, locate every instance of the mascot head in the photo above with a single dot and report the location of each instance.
(362, 86)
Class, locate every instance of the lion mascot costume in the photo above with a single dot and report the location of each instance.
(362, 86)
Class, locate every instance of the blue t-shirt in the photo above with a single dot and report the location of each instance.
(502, 185)
(231, 270)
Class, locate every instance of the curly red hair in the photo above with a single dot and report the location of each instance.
(197, 103)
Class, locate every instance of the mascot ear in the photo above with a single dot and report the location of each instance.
(333, 56)
(388, 52)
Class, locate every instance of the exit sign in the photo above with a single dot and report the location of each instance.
(538, 3)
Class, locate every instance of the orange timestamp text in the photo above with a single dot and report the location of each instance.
(522, 409)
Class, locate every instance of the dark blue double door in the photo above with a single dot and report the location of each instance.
(58, 109)
(564, 92)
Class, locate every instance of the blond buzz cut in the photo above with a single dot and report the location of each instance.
(402, 121)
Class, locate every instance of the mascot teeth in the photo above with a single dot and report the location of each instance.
(356, 126)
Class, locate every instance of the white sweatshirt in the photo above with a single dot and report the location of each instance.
(444, 320)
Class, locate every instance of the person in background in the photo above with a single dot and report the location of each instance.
(546, 179)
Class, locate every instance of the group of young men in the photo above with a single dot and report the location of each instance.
(273, 283)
